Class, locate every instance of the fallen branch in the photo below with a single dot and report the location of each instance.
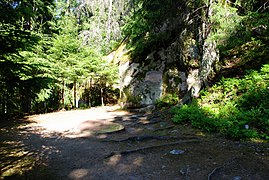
(146, 148)
(264, 6)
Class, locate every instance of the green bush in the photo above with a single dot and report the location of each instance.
(230, 105)
(196, 116)
(187, 114)
(168, 100)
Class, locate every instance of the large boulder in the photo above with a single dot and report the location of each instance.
(179, 66)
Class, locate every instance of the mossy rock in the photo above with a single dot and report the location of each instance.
(100, 127)
(111, 128)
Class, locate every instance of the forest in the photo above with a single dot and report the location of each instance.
(55, 55)
(134, 89)
(51, 53)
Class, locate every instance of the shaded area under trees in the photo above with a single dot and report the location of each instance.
(44, 61)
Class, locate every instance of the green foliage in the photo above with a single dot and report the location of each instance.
(196, 116)
(167, 100)
(243, 36)
(99, 22)
(75, 64)
(43, 57)
(230, 105)
(246, 6)
(224, 23)
(148, 26)
(21, 75)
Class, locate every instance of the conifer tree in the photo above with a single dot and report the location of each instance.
(20, 22)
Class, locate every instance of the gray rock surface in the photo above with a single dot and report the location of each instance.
(186, 62)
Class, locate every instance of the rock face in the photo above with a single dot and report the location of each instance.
(182, 66)
(167, 71)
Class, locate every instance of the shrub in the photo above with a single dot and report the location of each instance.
(230, 105)
(168, 100)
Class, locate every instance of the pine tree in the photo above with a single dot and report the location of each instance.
(20, 23)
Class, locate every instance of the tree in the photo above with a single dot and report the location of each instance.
(100, 22)
(74, 62)
(20, 22)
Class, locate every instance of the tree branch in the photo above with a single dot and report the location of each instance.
(263, 6)
(146, 148)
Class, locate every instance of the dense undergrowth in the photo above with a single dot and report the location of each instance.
(236, 108)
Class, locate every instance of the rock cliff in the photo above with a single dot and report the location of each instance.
(180, 66)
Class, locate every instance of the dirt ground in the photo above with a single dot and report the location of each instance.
(72, 145)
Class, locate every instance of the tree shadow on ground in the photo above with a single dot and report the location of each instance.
(69, 157)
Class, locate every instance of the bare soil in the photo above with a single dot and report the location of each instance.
(73, 145)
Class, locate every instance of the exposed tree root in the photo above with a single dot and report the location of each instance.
(143, 122)
(165, 128)
(219, 167)
(126, 152)
(148, 137)
(214, 170)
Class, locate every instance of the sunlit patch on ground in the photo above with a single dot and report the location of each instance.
(114, 160)
(78, 173)
(76, 121)
(15, 160)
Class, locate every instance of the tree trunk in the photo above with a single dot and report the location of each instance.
(62, 98)
(90, 93)
(29, 102)
(25, 100)
(3, 110)
(86, 91)
(210, 53)
(207, 49)
(102, 98)
(109, 21)
(75, 94)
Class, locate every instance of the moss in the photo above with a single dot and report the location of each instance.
(110, 128)
(129, 99)
(167, 100)
(177, 80)
(134, 101)
(120, 55)
(125, 58)
(194, 63)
